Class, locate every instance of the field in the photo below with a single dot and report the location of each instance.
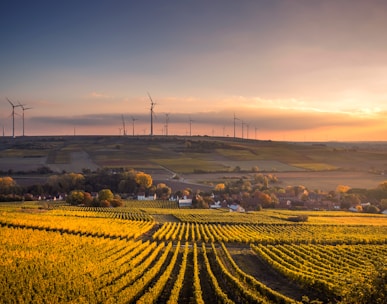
(153, 252)
(200, 160)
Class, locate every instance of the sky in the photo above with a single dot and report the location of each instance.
(294, 70)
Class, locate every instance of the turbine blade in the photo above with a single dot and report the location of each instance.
(10, 102)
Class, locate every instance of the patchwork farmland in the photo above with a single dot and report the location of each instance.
(154, 252)
(201, 159)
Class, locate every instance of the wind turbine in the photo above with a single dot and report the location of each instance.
(235, 119)
(23, 108)
(166, 123)
(13, 116)
(190, 126)
(243, 124)
(123, 125)
(133, 120)
(151, 113)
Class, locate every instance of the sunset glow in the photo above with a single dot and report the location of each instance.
(288, 70)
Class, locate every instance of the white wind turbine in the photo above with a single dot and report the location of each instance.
(23, 108)
(123, 125)
(190, 126)
(133, 120)
(151, 113)
(13, 116)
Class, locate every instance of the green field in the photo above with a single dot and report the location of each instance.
(153, 252)
(207, 154)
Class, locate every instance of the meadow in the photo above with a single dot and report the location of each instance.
(154, 252)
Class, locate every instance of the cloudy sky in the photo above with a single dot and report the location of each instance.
(288, 69)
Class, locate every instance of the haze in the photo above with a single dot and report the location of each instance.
(288, 70)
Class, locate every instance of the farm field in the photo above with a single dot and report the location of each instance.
(153, 252)
(199, 160)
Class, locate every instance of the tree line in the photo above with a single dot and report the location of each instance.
(251, 192)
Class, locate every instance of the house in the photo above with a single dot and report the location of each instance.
(185, 202)
(216, 205)
(236, 208)
(353, 209)
(142, 197)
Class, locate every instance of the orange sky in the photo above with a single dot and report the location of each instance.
(289, 70)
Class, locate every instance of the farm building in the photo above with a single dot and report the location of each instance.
(143, 197)
(216, 205)
(236, 208)
(185, 202)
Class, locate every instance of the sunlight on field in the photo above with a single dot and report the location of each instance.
(238, 154)
(152, 251)
(190, 165)
(352, 220)
(315, 166)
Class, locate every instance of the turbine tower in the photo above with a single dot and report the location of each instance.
(235, 119)
(123, 125)
(166, 123)
(23, 108)
(243, 124)
(133, 120)
(190, 126)
(13, 116)
(151, 114)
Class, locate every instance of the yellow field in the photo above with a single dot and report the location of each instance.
(105, 255)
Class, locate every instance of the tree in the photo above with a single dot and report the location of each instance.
(263, 199)
(383, 204)
(105, 195)
(220, 187)
(127, 186)
(342, 188)
(186, 192)
(199, 202)
(352, 199)
(88, 199)
(371, 209)
(383, 186)
(116, 201)
(246, 186)
(163, 191)
(66, 182)
(77, 197)
(7, 185)
(143, 180)
(127, 182)
(304, 196)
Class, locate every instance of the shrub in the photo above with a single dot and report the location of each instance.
(298, 218)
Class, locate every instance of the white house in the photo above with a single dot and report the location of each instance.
(185, 202)
(143, 197)
(236, 208)
(216, 205)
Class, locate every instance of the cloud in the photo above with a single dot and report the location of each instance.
(98, 95)
(266, 119)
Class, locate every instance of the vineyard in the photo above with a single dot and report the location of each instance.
(153, 252)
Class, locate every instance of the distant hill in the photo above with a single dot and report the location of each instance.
(166, 156)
